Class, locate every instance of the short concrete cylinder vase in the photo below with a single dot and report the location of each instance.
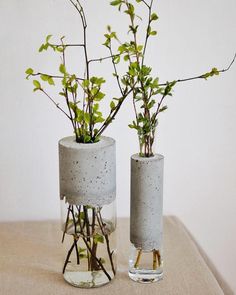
(145, 263)
(88, 192)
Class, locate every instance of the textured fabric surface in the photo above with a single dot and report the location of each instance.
(31, 262)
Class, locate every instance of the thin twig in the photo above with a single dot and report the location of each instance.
(154, 260)
(75, 236)
(145, 3)
(136, 265)
(147, 33)
(67, 45)
(66, 225)
(202, 76)
(98, 260)
(54, 76)
(55, 103)
(116, 72)
(101, 224)
(67, 258)
(67, 95)
(103, 58)
(113, 113)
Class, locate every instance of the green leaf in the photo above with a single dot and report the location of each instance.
(87, 118)
(153, 33)
(97, 81)
(98, 238)
(154, 17)
(99, 96)
(48, 38)
(29, 71)
(60, 49)
(62, 94)
(99, 119)
(41, 48)
(37, 84)
(51, 81)
(163, 109)
(115, 2)
(151, 104)
(82, 256)
(112, 105)
(82, 250)
(126, 57)
(44, 77)
(85, 83)
(132, 126)
(81, 217)
(87, 138)
(62, 69)
(140, 48)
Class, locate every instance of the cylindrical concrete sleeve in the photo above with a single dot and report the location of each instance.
(87, 171)
(146, 207)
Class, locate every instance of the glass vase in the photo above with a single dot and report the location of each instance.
(88, 211)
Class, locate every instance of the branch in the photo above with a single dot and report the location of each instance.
(67, 96)
(103, 58)
(113, 113)
(116, 72)
(56, 104)
(146, 3)
(67, 45)
(202, 76)
(147, 33)
(54, 76)
(159, 107)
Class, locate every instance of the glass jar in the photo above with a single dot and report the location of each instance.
(88, 210)
(89, 239)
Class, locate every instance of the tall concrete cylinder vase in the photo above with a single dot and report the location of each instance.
(145, 263)
(88, 192)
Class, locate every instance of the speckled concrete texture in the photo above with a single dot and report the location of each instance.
(146, 207)
(87, 171)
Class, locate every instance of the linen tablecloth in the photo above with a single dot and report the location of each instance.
(31, 261)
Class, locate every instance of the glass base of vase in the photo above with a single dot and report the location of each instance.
(145, 276)
(87, 279)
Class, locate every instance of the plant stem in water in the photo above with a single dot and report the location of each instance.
(154, 260)
(101, 224)
(136, 265)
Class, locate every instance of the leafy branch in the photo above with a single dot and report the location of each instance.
(79, 97)
(147, 93)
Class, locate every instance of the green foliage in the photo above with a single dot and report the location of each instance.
(82, 253)
(37, 85)
(213, 72)
(29, 72)
(45, 46)
(148, 94)
(97, 238)
(86, 116)
(82, 96)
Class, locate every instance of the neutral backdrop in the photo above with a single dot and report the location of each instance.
(196, 135)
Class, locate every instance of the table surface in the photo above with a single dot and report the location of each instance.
(31, 261)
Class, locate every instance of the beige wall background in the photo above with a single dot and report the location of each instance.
(196, 135)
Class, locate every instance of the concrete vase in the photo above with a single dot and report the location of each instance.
(87, 193)
(146, 214)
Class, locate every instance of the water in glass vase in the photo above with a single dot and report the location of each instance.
(89, 240)
(145, 266)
